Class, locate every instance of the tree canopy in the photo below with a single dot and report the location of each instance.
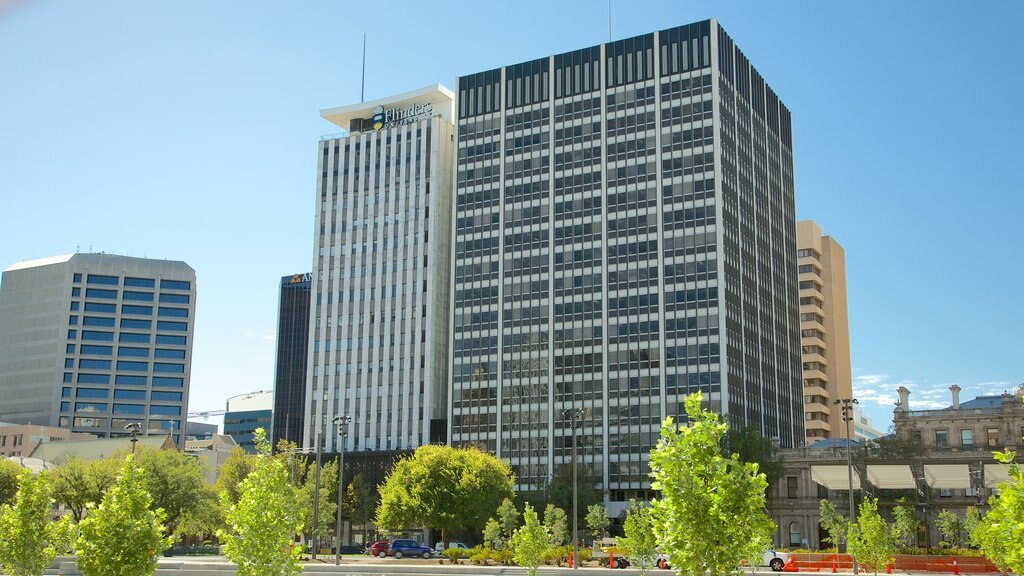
(530, 542)
(748, 443)
(263, 521)
(123, 536)
(77, 483)
(9, 472)
(711, 508)
(1000, 533)
(30, 539)
(176, 481)
(451, 489)
(641, 537)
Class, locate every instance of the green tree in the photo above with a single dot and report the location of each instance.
(176, 481)
(597, 521)
(748, 443)
(235, 468)
(712, 508)
(9, 473)
(949, 526)
(557, 525)
(871, 542)
(204, 518)
(972, 519)
(261, 524)
(641, 537)
(492, 534)
(530, 542)
(359, 502)
(1000, 534)
(328, 501)
(560, 490)
(30, 539)
(122, 536)
(904, 523)
(77, 483)
(508, 519)
(834, 522)
(454, 490)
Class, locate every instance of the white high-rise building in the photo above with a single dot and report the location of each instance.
(97, 342)
(378, 349)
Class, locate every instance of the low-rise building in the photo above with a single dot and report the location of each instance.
(983, 424)
(22, 439)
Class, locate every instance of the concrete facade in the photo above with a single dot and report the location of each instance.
(981, 425)
(95, 342)
(824, 332)
(22, 439)
(378, 335)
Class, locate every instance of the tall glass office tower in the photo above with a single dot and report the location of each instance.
(292, 355)
(378, 348)
(624, 235)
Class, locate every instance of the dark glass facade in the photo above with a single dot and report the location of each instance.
(625, 235)
(292, 357)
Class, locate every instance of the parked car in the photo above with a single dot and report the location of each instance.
(770, 558)
(405, 547)
(439, 547)
(379, 549)
(774, 560)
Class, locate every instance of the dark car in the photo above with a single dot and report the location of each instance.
(405, 547)
(379, 549)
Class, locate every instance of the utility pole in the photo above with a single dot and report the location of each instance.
(847, 409)
(341, 422)
(575, 418)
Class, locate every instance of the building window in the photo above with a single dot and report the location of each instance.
(791, 490)
(942, 439)
(945, 493)
(794, 534)
(992, 435)
(967, 438)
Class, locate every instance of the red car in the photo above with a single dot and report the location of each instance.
(380, 549)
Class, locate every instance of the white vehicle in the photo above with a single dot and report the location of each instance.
(770, 558)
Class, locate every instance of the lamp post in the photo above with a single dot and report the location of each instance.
(847, 409)
(574, 417)
(316, 497)
(342, 423)
(134, 428)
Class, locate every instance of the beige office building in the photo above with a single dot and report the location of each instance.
(824, 331)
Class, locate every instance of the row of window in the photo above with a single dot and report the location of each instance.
(119, 408)
(133, 282)
(104, 308)
(125, 380)
(124, 365)
(100, 336)
(98, 350)
(158, 395)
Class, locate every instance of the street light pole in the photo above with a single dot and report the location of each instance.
(574, 418)
(134, 428)
(316, 497)
(342, 423)
(847, 409)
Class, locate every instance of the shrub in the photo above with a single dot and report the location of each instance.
(479, 554)
(453, 554)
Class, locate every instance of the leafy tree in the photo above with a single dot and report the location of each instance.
(265, 518)
(530, 542)
(122, 536)
(328, 500)
(949, 526)
(560, 490)
(871, 542)
(77, 483)
(359, 502)
(748, 443)
(641, 537)
(556, 524)
(508, 519)
(30, 539)
(972, 519)
(834, 522)
(9, 473)
(1000, 534)
(492, 534)
(204, 518)
(904, 523)
(453, 489)
(712, 508)
(597, 521)
(176, 481)
(233, 471)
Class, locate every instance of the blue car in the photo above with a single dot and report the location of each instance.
(411, 548)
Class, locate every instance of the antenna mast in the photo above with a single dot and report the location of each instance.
(609, 20)
(362, 89)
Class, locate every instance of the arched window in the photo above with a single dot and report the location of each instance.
(794, 534)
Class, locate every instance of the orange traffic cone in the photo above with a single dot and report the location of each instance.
(570, 559)
(790, 565)
(956, 567)
(888, 568)
(835, 563)
(611, 559)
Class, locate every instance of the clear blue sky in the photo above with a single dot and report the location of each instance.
(188, 130)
